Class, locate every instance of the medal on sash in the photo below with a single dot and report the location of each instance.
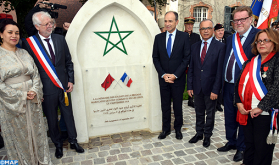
(42, 57)
(238, 51)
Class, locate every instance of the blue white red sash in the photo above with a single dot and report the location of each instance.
(259, 90)
(238, 51)
(42, 57)
(257, 84)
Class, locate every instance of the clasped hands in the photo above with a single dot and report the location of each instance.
(31, 95)
(253, 112)
(169, 78)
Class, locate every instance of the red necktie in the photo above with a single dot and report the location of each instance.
(203, 52)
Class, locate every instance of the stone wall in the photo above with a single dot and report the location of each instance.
(215, 9)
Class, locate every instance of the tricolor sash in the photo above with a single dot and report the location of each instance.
(257, 84)
(238, 51)
(251, 76)
(42, 57)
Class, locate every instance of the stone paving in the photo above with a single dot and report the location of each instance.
(144, 148)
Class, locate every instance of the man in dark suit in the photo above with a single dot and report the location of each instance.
(189, 25)
(219, 33)
(171, 55)
(58, 53)
(242, 19)
(193, 37)
(205, 80)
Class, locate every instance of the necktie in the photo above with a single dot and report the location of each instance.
(169, 45)
(50, 50)
(230, 66)
(203, 52)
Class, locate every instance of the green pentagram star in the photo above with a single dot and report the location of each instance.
(108, 38)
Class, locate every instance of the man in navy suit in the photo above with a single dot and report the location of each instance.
(242, 19)
(205, 80)
(171, 55)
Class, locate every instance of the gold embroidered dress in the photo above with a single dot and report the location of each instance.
(22, 123)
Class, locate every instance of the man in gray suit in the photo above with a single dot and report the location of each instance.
(56, 52)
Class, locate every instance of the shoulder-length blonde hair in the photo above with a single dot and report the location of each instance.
(272, 34)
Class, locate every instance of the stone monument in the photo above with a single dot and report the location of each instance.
(116, 85)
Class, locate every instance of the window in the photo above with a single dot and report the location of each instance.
(228, 18)
(200, 13)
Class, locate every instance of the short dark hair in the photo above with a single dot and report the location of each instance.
(243, 8)
(6, 22)
(175, 13)
(272, 34)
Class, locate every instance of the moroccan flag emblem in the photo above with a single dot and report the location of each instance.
(108, 81)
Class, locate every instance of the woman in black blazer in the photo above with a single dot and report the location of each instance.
(257, 95)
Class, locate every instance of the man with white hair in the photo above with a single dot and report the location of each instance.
(53, 59)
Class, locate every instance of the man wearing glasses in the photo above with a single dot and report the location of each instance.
(205, 80)
(242, 39)
(51, 50)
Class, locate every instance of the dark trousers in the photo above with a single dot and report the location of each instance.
(219, 103)
(50, 107)
(204, 105)
(62, 124)
(174, 92)
(257, 151)
(231, 125)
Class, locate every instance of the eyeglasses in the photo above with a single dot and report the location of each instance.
(262, 41)
(206, 28)
(240, 20)
(48, 24)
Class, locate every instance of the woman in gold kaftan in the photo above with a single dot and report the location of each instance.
(21, 115)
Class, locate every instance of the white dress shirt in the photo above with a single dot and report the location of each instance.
(172, 38)
(208, 44)
(45, 43)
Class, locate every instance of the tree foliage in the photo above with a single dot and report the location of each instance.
(159, 3)
(21, 7)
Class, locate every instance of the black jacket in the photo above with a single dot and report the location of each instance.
(178, 61)
(206, 77)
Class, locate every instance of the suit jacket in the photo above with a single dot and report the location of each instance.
(194, 37)
(178, 61)
(63, 63)
(206, 77)
(247, 50)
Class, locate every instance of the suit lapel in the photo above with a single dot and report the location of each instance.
(176, 42)
(198, 54)
(249, 38)
(163, 39)
(209, 50)
(56, 48)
